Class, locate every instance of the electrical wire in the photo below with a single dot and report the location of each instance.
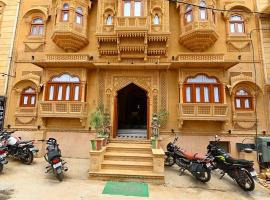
(217, 9)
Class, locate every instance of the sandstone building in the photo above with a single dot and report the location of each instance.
(137, 57)
(8, 19)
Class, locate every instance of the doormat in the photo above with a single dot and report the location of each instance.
(126, 189)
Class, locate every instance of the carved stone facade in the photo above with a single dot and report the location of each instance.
(189, 62)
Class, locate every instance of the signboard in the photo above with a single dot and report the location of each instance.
(2, 112)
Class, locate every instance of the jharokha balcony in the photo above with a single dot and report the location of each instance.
(205, 111)
(63, 109)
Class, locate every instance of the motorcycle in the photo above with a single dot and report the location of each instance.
(16, 148)
(240, 170)
(3, 155)
(199, 166)
(53, 157)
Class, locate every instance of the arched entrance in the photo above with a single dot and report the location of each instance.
(132, 112)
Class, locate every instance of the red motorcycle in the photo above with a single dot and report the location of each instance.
(198, 165)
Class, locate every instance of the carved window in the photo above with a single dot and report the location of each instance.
(79, 15)
(188, 13)
(109, 20)
(132, 8)
(64, 88)
(202, 11)
(236, 24)
(156, 19)
(28, 97)
(202, 89)
(37, 27)
(243, 100)
(65, 12)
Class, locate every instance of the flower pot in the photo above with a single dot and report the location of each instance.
(104, 141)
(94, 144)
(99, 144)
(155, 143)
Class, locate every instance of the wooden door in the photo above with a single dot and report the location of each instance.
(115, 120)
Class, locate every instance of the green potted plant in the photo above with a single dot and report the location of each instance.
(158, 120)
(100, 121)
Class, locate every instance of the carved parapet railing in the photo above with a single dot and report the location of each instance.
(131, 23)
(203, 111)
(198, 36)
(63, 109)
(66, 57)
(70, 36)
(64, 60)
(202, 57)
(26, 111)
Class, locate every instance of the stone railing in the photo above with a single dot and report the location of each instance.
(26, 111)
(197, 111)
(63, 109)
(202, 57)
(127, 23)
(67, 57)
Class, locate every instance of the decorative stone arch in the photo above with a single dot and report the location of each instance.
(253, 88)
(125, 83)
(237, 6)
(113, 98)
(34, 10)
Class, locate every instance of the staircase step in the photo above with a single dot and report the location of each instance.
(130, 141)
(128, 156)
(128, 175)
(125, 147)
(127, 165)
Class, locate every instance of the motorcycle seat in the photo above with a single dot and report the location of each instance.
(52, 154)
(239, 161)
(193, 156)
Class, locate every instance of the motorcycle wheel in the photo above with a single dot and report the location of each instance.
(203, 176)
(29, 158)
(245, 180)
(169, 160)
(60, 176)
(1, 167)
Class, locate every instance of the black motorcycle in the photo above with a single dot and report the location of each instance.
(3, 155)
(240, 170)
(54, 158)
(18, 149)
(199, 166)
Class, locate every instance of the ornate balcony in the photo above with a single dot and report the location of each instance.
(131, 23)
(70, 36)
(198, 36)
(205, 111)
(63, 109)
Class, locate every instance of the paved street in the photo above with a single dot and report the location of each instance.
(23, 182)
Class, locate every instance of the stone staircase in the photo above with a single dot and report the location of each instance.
(130, 160)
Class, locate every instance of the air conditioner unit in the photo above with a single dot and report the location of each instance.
(264, 148)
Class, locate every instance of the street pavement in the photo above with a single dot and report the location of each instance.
(23, 182)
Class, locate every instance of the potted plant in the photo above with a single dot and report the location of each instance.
(100, 121)
(158, 120)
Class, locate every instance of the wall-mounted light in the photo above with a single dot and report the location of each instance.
(8, 126)
(33, 58)
(230, 131)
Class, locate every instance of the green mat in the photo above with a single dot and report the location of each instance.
(126, 189)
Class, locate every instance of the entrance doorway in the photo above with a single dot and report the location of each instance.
(132, 112)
